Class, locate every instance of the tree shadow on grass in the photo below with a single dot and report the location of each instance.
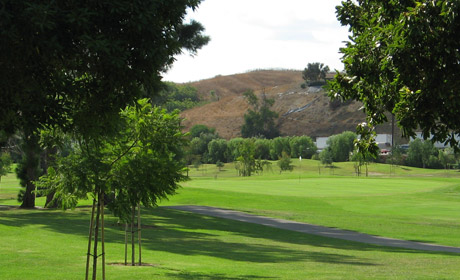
(190, 234)
(183, 234)
(216, 276)
(279, 235)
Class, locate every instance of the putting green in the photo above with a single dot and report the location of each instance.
(322, 187)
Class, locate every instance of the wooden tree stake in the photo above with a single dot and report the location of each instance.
(139, 232)
(91, 225)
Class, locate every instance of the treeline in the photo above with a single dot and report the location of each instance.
(172, 96)
(424, 154)
(207, 147)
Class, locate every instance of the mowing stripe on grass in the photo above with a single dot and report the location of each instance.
(312, 229)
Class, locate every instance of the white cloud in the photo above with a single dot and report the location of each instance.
(251, 34)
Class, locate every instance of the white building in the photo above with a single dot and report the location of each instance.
(383, 140)
(321, 143)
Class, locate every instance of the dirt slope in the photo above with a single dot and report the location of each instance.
(301, 111)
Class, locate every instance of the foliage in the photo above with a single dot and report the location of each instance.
(341, 146)
(233, 148)
(143, 163)
(219, 165)
(278, 146)
(259, 122)
(74, 64)
(360, 160)
(78, 63)
(447, 157)
(262, 149)
(246, 163)
(326, 157)
(315, 72)
(402, 58)
(217, 150)
(198, 129)
(285, 163)
(198, 146)
(5, 164)
(176, 97)
(396, 156)
(422, 154)
(302, 146)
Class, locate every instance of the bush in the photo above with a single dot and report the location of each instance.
(285, 163)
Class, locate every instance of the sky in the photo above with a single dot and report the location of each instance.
(262, 34)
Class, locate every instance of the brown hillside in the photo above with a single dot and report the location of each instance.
(236, 84)
(301, 111)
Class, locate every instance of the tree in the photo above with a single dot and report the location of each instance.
(198, 146)
(77, 58)
(246, 163)
(54, 144)
(75, 64)
(359, 160)
(142, 163)
(173, 96)
(220, 164)
(217, 150)
(278, 146)
(420, 153)
(262, 149)
(341, 146)
(315, 72)
(233, 148)
(326, 157)
(5, 164)
(28, 169)
(198, 129)
(396, 156)
(285, 163)
(259, 122)
(447, 157)
(302, 146)
(403, 58)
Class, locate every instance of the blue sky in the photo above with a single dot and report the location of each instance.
(260, 34)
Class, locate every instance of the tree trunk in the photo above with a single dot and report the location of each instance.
(91, 225)
(49, 200)
(28, 198)
(29, 168)
(139, 232)
(50, 157)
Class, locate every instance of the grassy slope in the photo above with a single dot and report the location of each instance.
(419, 207)
(45, 244)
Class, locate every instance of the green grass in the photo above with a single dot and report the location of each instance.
(422, 205)
(411, 204)
(44, 244)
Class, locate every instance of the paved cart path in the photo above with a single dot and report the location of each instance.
(312, 229)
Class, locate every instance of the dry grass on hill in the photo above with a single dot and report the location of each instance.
(301, 111)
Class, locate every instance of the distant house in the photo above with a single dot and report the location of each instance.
(321, 143)
(383, 141)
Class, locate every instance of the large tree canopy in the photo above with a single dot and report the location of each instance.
(85, 60)
(403, 57)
